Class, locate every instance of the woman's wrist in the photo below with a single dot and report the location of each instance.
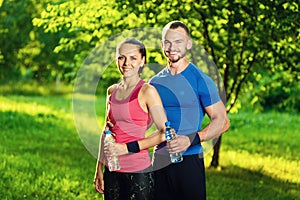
(133, 147)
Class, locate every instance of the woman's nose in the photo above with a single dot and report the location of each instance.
(126, 62)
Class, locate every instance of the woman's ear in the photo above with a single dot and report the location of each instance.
(141, 69)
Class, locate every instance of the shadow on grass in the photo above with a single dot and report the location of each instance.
(233, 182)
(43, 158)
(41, 133)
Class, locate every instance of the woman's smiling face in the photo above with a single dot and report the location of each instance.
(129, 59)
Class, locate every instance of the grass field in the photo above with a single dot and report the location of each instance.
(43, 157)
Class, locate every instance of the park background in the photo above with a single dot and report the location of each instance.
(254, 44)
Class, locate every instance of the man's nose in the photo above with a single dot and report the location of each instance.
(172, 46)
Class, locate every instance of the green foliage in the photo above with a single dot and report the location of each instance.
(14, 31)
(27, 51)
(250, 42)
(244, 39)
(284, 96)
(43, 157)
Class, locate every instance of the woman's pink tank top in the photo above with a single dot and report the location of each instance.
(130, 123)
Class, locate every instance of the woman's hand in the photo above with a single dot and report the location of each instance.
(116, 149)
(98, 181)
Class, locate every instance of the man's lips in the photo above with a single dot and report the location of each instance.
(172, 52)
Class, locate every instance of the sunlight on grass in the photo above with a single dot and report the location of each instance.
(276, 167)
(30, 108)
(34, 88)
(44, 158)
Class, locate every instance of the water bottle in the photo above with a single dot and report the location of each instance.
(175, 157)
(112, 162)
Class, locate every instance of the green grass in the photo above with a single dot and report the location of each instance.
(41, 152)
(43, 156)
(259, 158)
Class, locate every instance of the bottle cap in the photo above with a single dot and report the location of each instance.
(168, 123)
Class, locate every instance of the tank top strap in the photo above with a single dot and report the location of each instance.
(137, 89)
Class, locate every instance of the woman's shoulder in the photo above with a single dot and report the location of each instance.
(111, 88)
(148, 86)
(148, 89)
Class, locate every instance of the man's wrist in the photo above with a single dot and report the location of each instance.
(194, 139)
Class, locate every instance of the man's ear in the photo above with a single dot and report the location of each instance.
(189, 44)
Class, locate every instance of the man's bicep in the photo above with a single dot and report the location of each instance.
(215, 109)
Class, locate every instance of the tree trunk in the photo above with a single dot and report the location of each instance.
(58, 83)
(215, 158)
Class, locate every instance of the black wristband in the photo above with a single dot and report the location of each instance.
(133, 147)
(194, 138)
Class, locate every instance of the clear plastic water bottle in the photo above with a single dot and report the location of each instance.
(112, 162)
(175, 157)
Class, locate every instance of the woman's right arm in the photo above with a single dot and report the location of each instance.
(98, 179)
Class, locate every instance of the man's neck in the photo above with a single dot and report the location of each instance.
(178, 67)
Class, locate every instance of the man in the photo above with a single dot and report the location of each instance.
(187, 95)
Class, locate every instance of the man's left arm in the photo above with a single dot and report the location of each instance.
(219, 123)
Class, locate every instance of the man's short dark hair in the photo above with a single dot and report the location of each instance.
(174, 25)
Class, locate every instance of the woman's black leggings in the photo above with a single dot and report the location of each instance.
(128, 186)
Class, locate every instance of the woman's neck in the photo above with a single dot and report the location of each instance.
(129, 82)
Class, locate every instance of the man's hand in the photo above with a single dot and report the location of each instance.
(179, 144)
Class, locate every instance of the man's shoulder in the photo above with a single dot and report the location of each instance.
(197, 72)
(193, 68)
(159, 75)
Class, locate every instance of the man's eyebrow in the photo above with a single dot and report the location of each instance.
(166, 41)
(177, 40)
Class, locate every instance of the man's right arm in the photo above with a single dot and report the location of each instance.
(219, 123)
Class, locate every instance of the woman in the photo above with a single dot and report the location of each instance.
(131, 104)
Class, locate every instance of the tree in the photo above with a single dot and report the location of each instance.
(14, 31)
(26, 51)
(246, 40)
